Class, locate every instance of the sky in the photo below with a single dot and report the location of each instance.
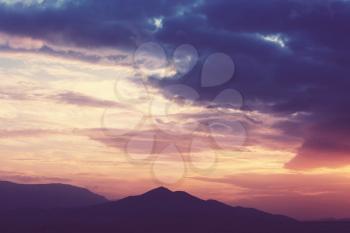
(241, 101)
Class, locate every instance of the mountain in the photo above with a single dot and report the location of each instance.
(160, 211)
(27, 196)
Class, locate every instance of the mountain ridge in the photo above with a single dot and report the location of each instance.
(159, 210)
(55, 195)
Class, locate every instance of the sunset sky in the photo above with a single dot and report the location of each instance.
(246, 102)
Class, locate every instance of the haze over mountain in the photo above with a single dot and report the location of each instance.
(159, 210)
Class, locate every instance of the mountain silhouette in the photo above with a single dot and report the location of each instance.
(27, 196)
(160, 211)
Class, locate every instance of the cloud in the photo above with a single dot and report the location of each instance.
(84, 100)
(146, 141)
(294, 62)
(17, 42)
(26, 178)
(27, 133)
(307, 75)
(86, 23)
(34, 3)
(24, 93)
(326, 144)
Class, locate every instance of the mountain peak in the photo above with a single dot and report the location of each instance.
(164, 194)
(159, 190)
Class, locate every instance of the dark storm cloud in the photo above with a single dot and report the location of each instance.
(70, 24)
(304, 72)
(86, 22)
(316, 20)
(308, 75)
